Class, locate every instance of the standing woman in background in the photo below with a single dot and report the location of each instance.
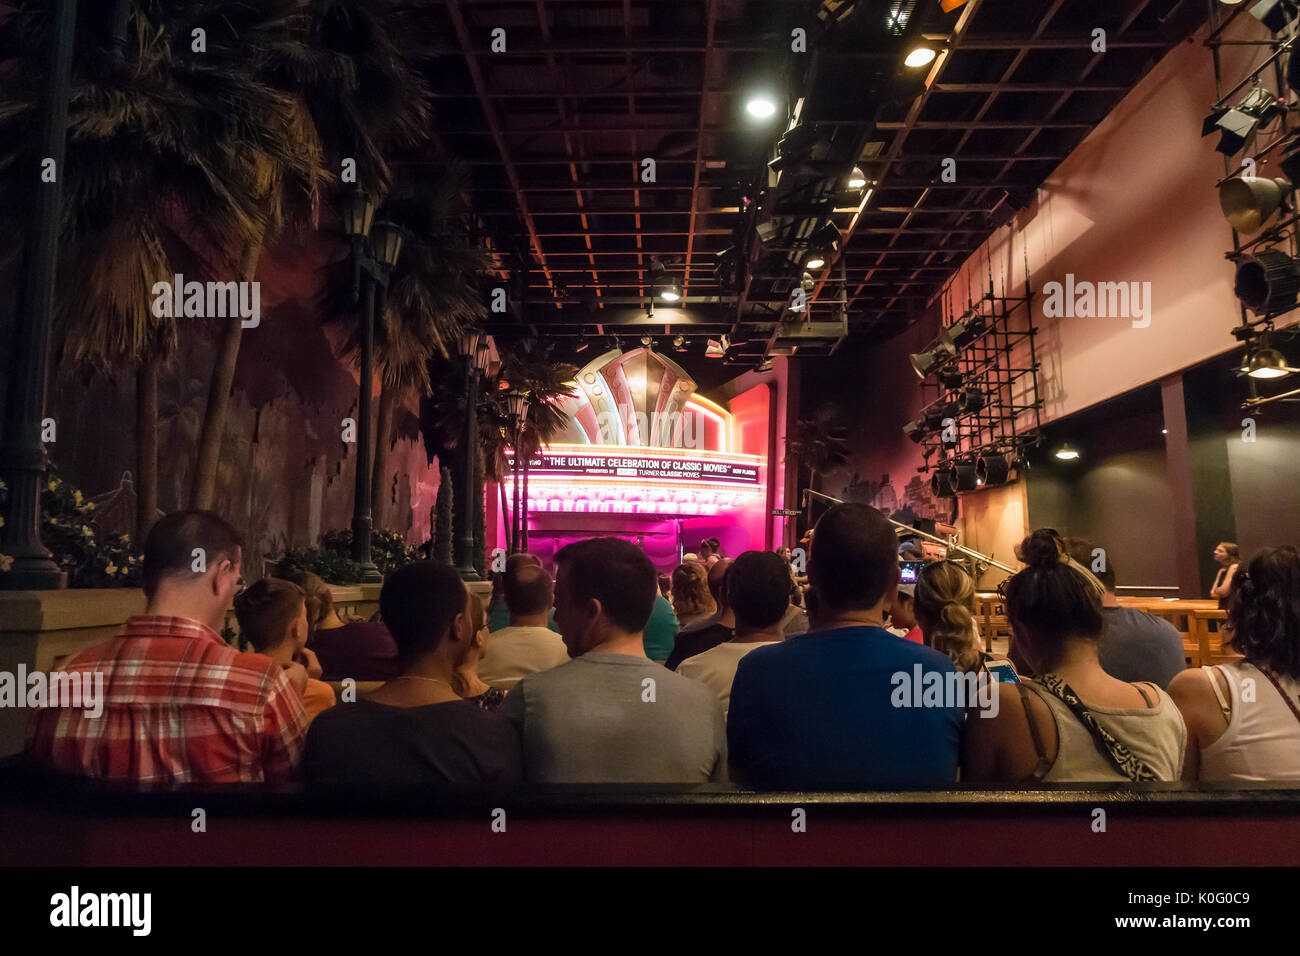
(1227, 554)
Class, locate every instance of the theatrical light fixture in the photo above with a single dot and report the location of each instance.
(923, 363)
(1066, 453)
(671, 291)
(1267, 362)
(1237, 126)
(815, 261)
(647, 341)
(1275, 14)
(679, 343)
(856, 178)
(915, 430)
(941, 482)
(951, 378)
(964, 331)
(972, 400)
(1249, 203)
(919, 57)
(807, 283)
(992, 469)
(938, 413)
(963, 476)
(760, 106)
(1268, 281)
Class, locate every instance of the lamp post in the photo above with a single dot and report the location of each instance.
(374, 253)
(516, 404)
(22, 451)
(477, 353)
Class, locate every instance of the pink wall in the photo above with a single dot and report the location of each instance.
(1135, 202)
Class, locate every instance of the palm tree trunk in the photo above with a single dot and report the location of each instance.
(146, 445)
(383, 428)
(203, 491)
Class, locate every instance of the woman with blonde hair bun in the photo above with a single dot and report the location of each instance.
(945, 610)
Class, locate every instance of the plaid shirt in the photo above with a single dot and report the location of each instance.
(180, 706)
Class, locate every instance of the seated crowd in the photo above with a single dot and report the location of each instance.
(878, 684)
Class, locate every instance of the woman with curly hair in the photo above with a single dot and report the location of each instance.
(1073, 722)
(1243, 718)
(943, 604)
(691, 598)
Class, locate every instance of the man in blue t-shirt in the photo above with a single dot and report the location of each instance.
(821, 710)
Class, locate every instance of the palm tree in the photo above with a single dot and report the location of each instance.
(169, 160)
(433, 295)
(531, 367)
(360, 97)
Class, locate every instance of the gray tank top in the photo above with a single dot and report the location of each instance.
(1156, 735)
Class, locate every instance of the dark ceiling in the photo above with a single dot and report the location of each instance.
(556, 128)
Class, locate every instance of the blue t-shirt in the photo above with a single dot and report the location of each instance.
(660, 630)
(816, 712)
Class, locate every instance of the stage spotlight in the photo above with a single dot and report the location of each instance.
(951, 378)
(916, 430)
(1268, 281)
(671, 291)
(1066, 453)
(941, 482)
(1265, 362)
(679, 343)
(807, 283)
(1275, 14)
(965, 330)
(992, 469)
(760, 106)
(856, 178)
(963, 476)
(647, 341)
(919, 57)
(1249, 203)
(938, 413)
(923, 363)
(972, 400)
(815, 261)
(1237, 126)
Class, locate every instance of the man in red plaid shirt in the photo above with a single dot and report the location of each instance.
(180, 705)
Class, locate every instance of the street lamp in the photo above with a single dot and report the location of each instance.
(22, 453)
(477, 353)
(374, 253)
(516, 405)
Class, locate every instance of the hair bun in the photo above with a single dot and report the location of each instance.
(1043, 549)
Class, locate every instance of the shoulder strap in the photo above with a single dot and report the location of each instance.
(1123, 759)
(1145, 698)
(1044, 764)
(1273, 680)
(1218, 691)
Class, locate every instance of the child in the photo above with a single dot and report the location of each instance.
(273, 618)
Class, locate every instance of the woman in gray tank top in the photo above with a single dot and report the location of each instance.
(1073, 722)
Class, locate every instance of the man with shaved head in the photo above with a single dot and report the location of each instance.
(526, 645)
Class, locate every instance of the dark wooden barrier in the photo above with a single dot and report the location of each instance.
(50, 821)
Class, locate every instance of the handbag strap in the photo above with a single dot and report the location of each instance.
(1123, 759)
(1287, 699)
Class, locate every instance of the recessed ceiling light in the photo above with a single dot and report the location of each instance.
(919, 57)
(760, 106)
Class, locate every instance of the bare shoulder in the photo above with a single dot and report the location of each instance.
(1189, 686)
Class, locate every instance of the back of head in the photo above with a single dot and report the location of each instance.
(944, 606)
(1099, 566)
(717, 578)
(1053, 598)
(854, 559)
(266, 610)
(418, 603)
(316, 593)
(691, 595)
(529, 590)
(614, 572)
(170, 548)
(758, 587)
(1264, 610)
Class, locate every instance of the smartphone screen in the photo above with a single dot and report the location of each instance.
(1004, 673)
(909, 570)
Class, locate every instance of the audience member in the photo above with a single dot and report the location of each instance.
(945, 606)
(1243, 717)
(272, 617)
(818, 711)
(720, 627)
(660, 633)
(416, 732)
(180, 705)
(1073, 722)
(666, 586)
(610, 715)
(360, 650)
(499, 609)
(710, 552)
(692, 602)
(902, 614)
(1227, 555)
(527, 645)
(468, 682)
(1135, 646)
(757, 599)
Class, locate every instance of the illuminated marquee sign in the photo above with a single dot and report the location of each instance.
(732, 470)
